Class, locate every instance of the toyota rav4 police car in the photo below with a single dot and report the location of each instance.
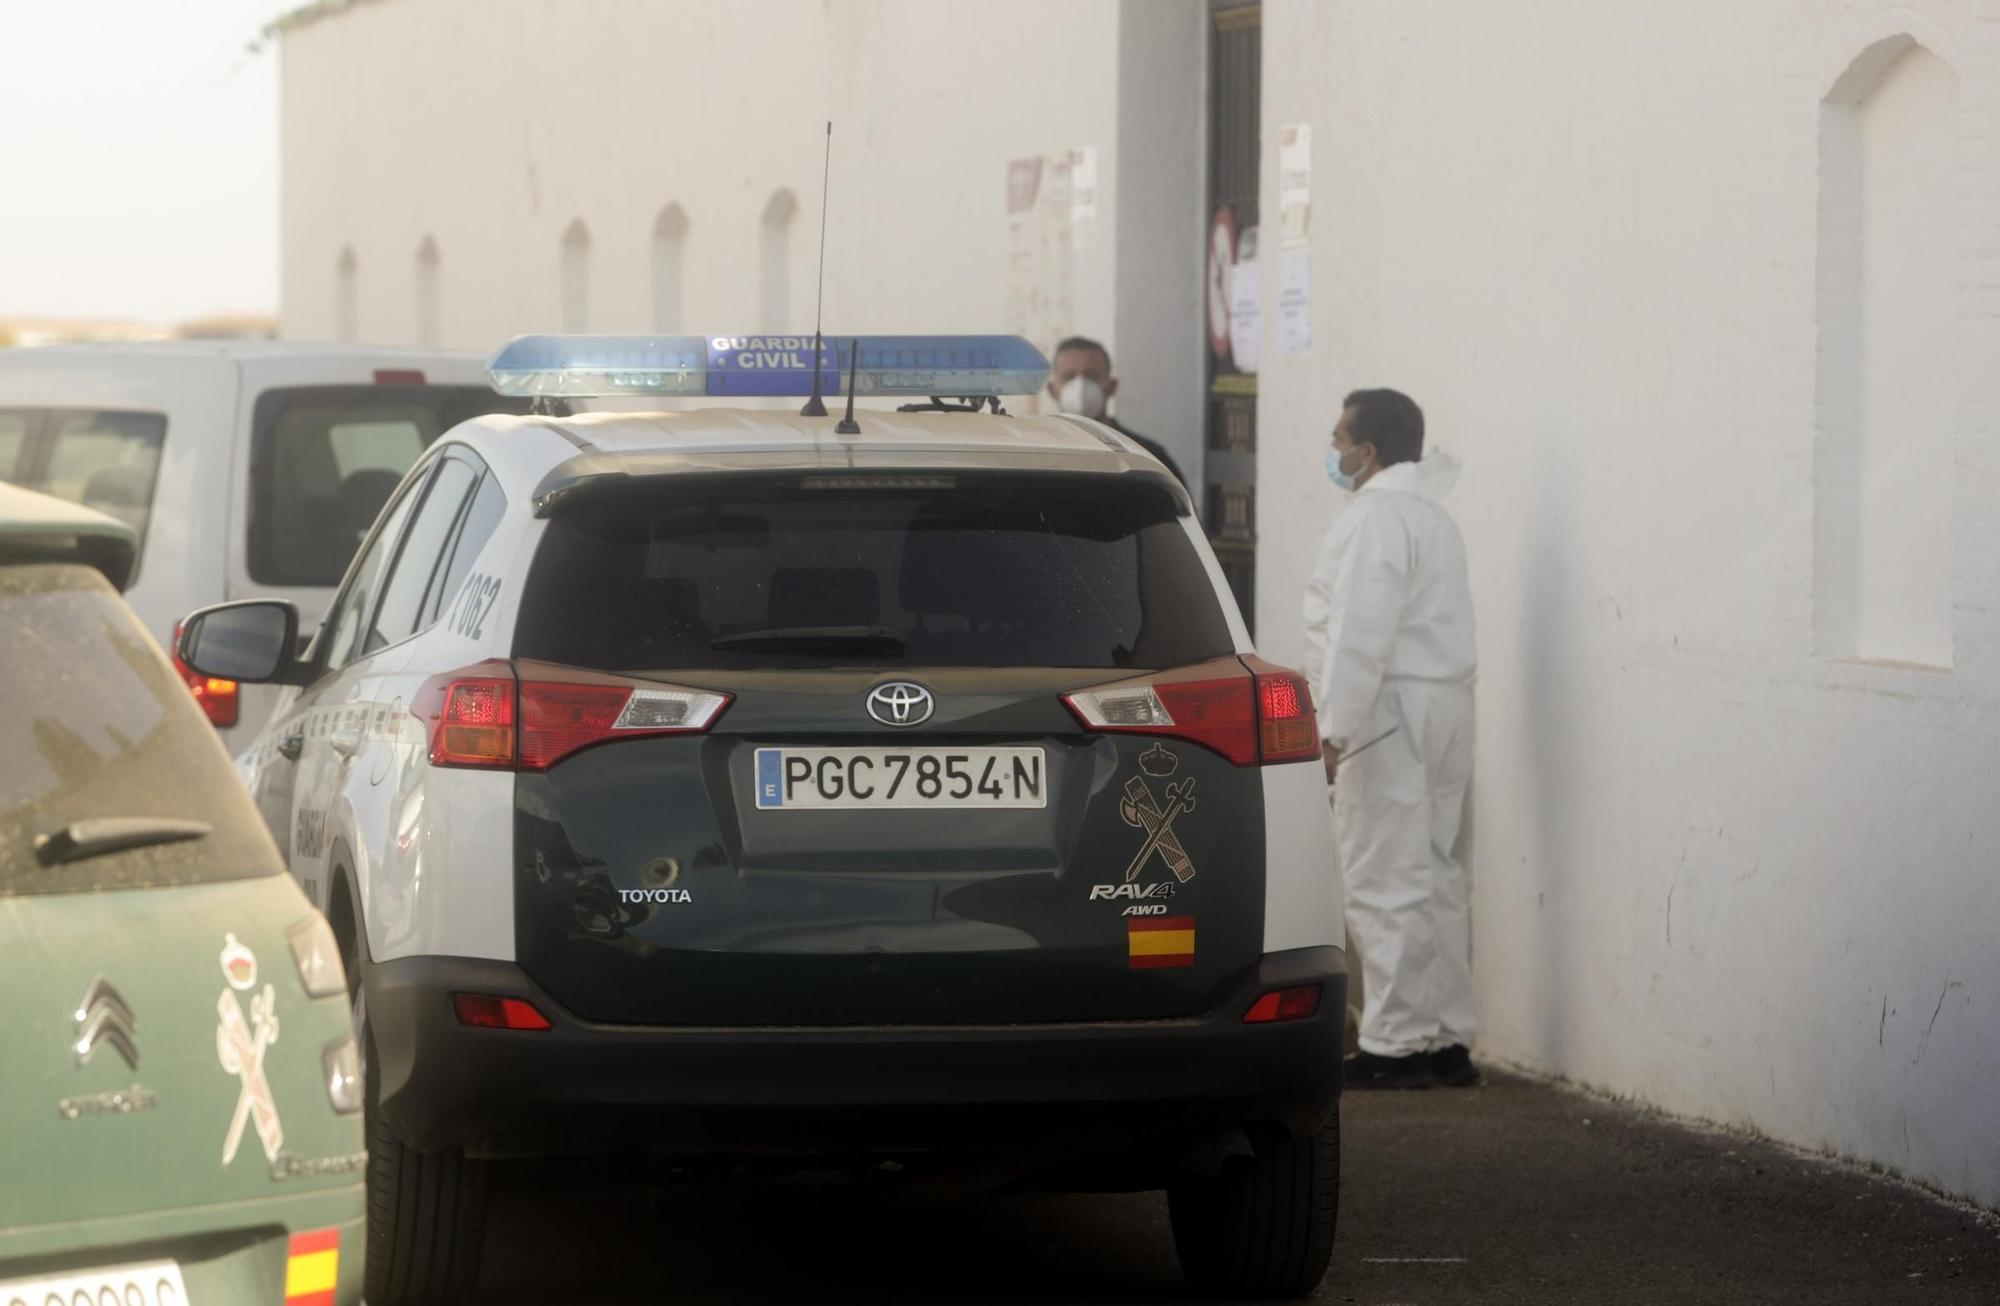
(898, 786)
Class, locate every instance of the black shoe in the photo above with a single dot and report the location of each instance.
(1453, 1067)
(1366, 1070)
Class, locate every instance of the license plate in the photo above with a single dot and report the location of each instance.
(151, 1283)
(819, 779)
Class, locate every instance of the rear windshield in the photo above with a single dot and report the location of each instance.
(100, 458)
(733, 572)
(324, 460)
(94, 723)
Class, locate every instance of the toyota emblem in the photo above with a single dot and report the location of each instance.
(900, 703)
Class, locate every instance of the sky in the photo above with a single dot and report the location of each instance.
(139, 148)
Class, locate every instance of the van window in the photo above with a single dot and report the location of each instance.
(94, 723)
(783, 571)
(99, 458)
(375, 446)
(324, 460)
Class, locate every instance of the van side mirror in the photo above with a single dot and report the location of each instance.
(252, 641)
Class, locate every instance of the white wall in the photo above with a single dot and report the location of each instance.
(1712, 869)
(491, 126)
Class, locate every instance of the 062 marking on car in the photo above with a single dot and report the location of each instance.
(474, 604)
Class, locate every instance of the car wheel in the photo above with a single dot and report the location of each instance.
(426, 1210)
(1263, 1227)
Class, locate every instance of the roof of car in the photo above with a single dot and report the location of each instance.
(601, 447)
(737, 428)
(30, 523)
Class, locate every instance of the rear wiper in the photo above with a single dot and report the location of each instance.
(868, 639)
(113, 834)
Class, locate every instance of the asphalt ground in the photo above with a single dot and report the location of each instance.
(1515, 1192)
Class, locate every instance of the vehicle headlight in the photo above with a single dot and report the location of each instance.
(318, 956)
(341, 1062)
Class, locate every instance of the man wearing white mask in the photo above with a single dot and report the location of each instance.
(1080, 381)
(1390, 632)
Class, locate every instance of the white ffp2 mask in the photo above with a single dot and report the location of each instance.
(1082, 396)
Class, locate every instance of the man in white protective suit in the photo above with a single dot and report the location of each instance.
(1389, 636)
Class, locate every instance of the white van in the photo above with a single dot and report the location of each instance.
(248, 468)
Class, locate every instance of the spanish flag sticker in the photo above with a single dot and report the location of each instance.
(1156, 941)
(312, 1268)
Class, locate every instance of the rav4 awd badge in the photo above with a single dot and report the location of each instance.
(1145, 899)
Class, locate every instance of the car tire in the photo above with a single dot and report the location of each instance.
(1262, 1228)
(426, 1211)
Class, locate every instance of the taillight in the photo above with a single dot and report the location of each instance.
(1301, 1003)
(217, 697)
(1287, 730)
(471, 717)
(1252, 712)
(1207, 704)
(484, 716)
(485, 1011)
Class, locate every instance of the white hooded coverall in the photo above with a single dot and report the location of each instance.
(1389, 636)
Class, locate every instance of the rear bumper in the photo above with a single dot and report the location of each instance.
(233, 1251)
(1081, 1087)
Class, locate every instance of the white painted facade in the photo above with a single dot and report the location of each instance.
(1707, 296)
(643, 165)
(1705, 293)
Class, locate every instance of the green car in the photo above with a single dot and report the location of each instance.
(180, 1089)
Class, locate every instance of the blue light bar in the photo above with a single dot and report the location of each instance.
(578, 367)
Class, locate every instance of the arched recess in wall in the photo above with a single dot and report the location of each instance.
(774, 245)
(346, 296)
(1891, 251)
(429, 292)
(576, 276)
(669, 256)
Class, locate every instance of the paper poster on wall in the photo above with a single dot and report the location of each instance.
(1295, 183)
(1039, 266)
(1245, 304)
(1295, 302)
(1083, 196)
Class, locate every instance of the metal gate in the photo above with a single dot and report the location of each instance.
(1235, 77)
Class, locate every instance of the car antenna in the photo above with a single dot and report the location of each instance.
(848, 426)
(816, 406)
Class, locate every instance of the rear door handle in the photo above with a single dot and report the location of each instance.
(292, 745)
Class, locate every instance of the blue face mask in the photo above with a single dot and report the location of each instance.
(1333, 472)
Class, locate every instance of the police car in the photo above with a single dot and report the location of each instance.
(896, 786)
